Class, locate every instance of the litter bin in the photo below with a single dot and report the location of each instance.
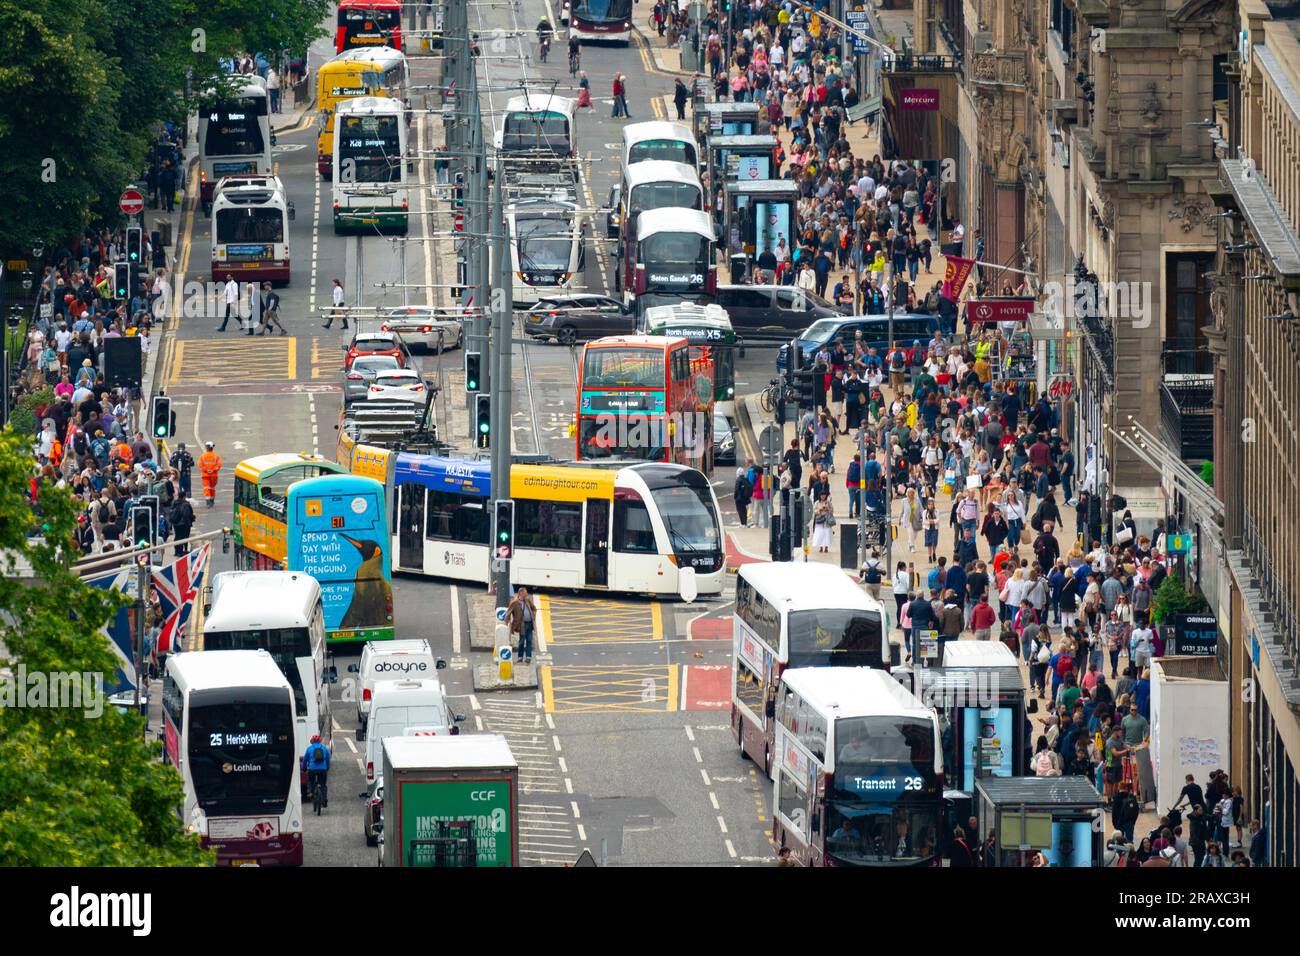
(739, 264)
(849, 546)
(164, 228)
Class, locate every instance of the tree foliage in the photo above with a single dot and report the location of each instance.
(83, 84)
(75, 790)
(1172, 598)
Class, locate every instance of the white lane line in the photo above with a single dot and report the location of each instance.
(705, 774)
(722, 824)
(576, 814)
(478, 722)
(698, 758)
(556, 740)
(351, 745)
(361, 766)
(690, 735)
(550, 721)
(473, 703)
(568, 785)
(582, 833)
(455, 593)
(425, 223)
(564, 767)
(731, 850)
(713, 798)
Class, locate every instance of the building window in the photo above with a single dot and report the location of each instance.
(1187, 313)
(1063, 23)
(952, 24)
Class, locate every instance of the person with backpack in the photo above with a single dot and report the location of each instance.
(742, 493)
(1062, 664)
(182, 519)
(1040, 652)
(316, 761)
(1046, 762)
(897, 363)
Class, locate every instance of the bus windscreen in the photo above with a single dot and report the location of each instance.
(675, 259)
(242, 758)
(663, 196)
(623, 368)
(233, 132)
(836, 637)
(544, 243)
(373, 145)
(263, 225)
(602, 11)
(547, 132)
(669, 150)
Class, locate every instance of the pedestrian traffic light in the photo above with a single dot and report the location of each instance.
(482, 420)
(806, 385)
(142, 528)
(134, 245)
(505, 529)
(163, 420)
(473, 366)
(121, 281)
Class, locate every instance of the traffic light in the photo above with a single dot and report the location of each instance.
(806, 385)
(151, 504)
(142, 528)
(163, 421)
(483, 420)
(121, 281)
(473, 366)
(505, 529)
(134, 245)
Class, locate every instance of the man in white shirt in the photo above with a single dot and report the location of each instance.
(231, 294)
(337, 298)
(273, 87)
(775, 55)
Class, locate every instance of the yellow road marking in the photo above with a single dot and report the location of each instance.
(220, 361)
(611, 688)
(594, 621)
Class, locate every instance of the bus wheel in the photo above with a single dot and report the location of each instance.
(568, 335)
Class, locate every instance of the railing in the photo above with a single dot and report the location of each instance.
(1187, 415)
(1186, 357)
(909, 62)
(1100, 342)
(1273, 592)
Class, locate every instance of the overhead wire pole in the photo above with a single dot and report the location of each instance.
(502, 405)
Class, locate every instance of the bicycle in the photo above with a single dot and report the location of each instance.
(319, 795)
(575, 61)
(771, 395)
(543, 47)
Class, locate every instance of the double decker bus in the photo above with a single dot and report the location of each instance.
(708, 329)
(644, 397)
(261, 493)
(859, 779)
(659, 139)
(228, 728)
(375, 71)
(234, 134)
(648, 185)
(795, 615)
(250, 229)
(629, 529)
(672, 254)
(370, 175)
(338, 533)
(279, 612)
(609, 20)
(368, 23)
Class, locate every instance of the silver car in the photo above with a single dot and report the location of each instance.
(356, 381)
(435, 328)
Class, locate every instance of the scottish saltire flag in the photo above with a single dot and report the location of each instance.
(178, 587)
(118, 631)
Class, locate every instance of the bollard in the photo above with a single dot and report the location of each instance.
(504, 654)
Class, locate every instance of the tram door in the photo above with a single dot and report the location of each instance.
(410, 534)
(596, 542)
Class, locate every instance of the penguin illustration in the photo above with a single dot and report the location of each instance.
(372, 596)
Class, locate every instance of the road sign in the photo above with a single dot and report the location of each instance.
(929, 645)
(501, 614)
(130, 202)
(584, 859)
(1180, 543)
(857, 19)
(500, 566)
(770, 441)
(503, 551)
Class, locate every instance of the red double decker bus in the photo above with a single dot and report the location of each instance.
(364, 23)
(643, 397)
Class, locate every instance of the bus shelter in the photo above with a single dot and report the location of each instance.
(758, 215)
(1059, 817)
(982, 724)
(727, 119)
(745, 159)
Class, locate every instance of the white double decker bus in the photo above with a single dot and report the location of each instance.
(228, 719)
(859, 777)
(795, 615)
(279, 612)
(250, 229)
(234, 135)
(370, 169)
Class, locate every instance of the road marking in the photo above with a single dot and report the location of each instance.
(698, 758)
(556, 741)
(705, 774)
(632, 688)
(722, 824)
(455, 624)
(564, 767)
(550, 721)
(568, 784)
(582, 833)
(473, 703)
(351, 745)
(478, 722)
(600, 620)
(690, 734)
(315, 236)
(713, 799)
(731, 850)
(217, 361)
(576, 814)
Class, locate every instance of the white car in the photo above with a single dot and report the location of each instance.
(435, 328)
(400, 383)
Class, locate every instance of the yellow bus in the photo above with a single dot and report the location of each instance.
(378, 71)
(261, 492)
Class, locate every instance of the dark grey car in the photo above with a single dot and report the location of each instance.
(356, 381)
(778, 309)
(583, 315)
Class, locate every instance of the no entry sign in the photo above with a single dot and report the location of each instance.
(131, 202)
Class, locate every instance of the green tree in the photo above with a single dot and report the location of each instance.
(1207, 472)
(1172, 598)
(75, 790)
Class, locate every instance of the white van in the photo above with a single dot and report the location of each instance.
(391, 660)
(396, 706)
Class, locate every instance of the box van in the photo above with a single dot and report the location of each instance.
(909, 327)
(773, 308)
(396, 706)
(391, 660)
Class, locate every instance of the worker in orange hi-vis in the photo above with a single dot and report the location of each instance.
(209, 467)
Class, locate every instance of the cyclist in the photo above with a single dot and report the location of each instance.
(544, 33)
(575, 52)
(316, 761)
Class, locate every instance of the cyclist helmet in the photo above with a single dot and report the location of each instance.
(315, 738)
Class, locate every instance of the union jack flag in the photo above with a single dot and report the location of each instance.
(178, 587)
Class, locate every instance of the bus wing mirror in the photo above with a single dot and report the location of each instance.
(458, 718)
(740, 348)
(293, 213)
(332, 675)
(440, 664)
(354, 669)
(273, 140)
